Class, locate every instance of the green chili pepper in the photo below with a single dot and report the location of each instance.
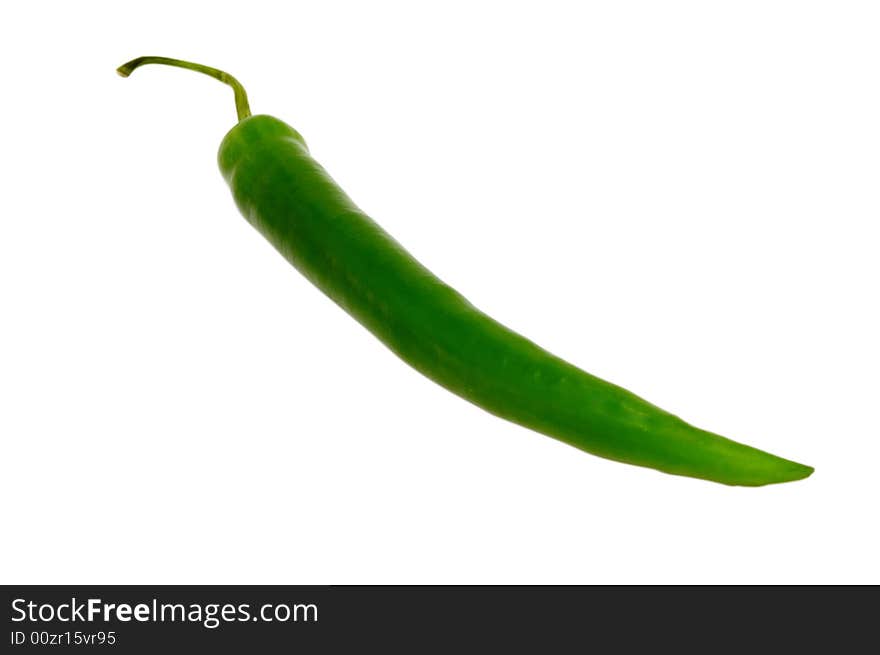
(294, 203)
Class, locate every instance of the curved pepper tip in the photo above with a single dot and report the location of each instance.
(791, 473)
(802, 471)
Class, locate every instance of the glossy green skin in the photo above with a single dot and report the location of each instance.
(295, 204)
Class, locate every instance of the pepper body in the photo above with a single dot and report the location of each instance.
(294, 203)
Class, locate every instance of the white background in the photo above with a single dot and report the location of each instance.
(681, 197)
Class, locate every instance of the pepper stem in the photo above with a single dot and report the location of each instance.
(241, 101)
